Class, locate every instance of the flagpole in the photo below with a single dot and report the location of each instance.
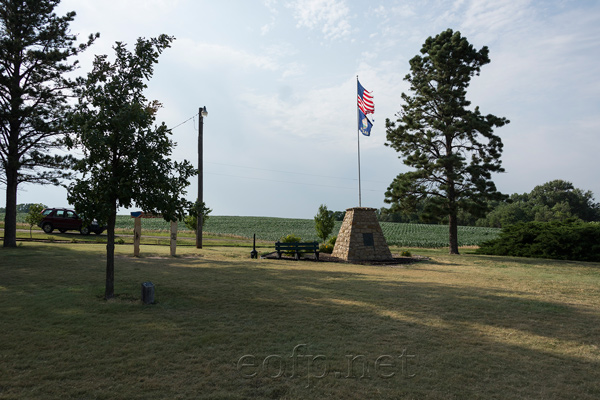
(358, 141)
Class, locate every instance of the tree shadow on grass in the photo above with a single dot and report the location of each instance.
(487, 340)
(468, 342)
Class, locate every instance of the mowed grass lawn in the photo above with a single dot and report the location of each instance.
(226, 326)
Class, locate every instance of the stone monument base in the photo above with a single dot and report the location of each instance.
(360, 237)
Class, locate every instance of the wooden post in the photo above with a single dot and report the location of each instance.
(173, 238)
(200, 176)
(137, 236)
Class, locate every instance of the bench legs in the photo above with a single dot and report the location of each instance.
(297, 254)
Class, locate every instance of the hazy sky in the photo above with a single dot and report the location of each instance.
(278, 79)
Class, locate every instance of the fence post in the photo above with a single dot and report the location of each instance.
(173, 238)
(137, 236)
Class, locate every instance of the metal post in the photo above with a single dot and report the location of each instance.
(200, 173)
(359, 199)
(358, 134)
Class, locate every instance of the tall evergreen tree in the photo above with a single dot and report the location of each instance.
(451, 148)
(36, 52)
(126, 159)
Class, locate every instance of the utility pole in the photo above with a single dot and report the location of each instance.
(201, 114)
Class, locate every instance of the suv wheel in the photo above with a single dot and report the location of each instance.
(85, 230)
(47, 228)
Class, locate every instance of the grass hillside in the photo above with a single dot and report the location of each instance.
(229, 327)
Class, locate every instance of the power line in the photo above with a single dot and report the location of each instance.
(290, 172)
(187, 120)
(295, 183)
(279, 171)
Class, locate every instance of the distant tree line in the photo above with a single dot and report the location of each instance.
(23, 208)
(556, 200)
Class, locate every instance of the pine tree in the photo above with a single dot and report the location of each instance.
(452, 149)
(36, 54)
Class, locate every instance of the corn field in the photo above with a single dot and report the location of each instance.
(272, 229)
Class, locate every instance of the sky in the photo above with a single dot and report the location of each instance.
(278, 79)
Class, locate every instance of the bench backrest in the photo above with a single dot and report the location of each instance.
(297, 246)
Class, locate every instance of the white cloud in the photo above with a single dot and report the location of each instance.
(271, 6)
(278, 100)
(489, 16)
(330, 16)
(310, 114)
(210, 55)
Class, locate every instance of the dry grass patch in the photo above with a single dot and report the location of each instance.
(452, 327)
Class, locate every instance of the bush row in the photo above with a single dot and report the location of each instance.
(564, 240)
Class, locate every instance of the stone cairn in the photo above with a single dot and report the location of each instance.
(360, 237)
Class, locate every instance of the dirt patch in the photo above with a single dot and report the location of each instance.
(323, 257)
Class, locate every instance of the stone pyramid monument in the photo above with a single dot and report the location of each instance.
(360, 237)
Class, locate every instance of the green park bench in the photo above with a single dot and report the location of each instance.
(297, 248)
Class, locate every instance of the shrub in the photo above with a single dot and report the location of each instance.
(405, 253)
(290, 239)
(326, 248)
(562, 240)
(332, 240)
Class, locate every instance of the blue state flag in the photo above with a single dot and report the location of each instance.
(364, 125)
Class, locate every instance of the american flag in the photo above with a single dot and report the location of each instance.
(365, 100)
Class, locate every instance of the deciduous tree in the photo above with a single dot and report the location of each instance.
(191, 220)
(34, 216)
(450, 147)
(324, 222)
(556, 200)
(37, 51)
(126, 158)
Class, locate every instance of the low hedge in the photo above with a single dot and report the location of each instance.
(569, 240)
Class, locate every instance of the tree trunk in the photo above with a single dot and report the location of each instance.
(453, 233)
(109, 292)
(12, 156)
(451, 196)
(10, 217)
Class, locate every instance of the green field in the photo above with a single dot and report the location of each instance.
(272, 229)
(229, 327)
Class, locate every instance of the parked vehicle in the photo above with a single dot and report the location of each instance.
(65, 219)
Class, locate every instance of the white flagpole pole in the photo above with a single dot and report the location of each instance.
(358, 134)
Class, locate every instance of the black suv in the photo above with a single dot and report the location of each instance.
(64, 220)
